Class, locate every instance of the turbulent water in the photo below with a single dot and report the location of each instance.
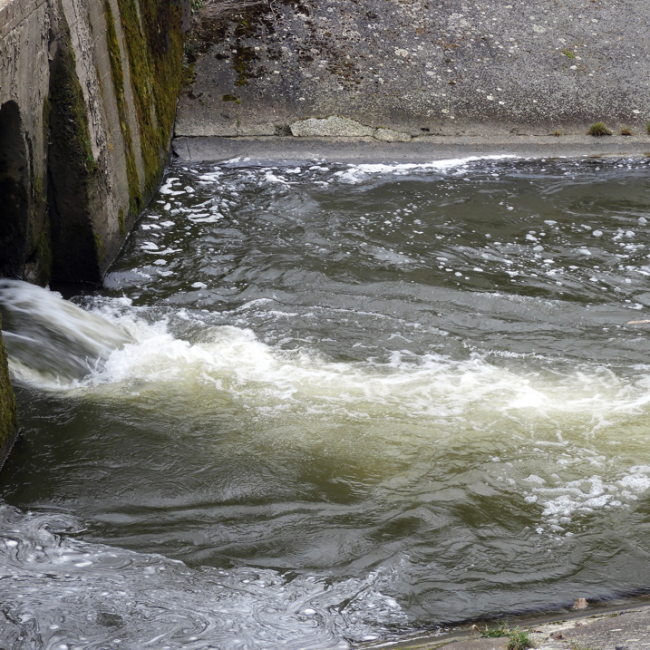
(319, 405)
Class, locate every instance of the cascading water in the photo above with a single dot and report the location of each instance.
(320, 405)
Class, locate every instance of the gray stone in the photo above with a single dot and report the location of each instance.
(330, 126)
(388, 135)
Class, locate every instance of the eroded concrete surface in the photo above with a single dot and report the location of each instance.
(407, 68)
(620, 629)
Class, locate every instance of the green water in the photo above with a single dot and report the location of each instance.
(324, 404)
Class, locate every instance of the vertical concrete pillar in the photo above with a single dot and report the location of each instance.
(14, 196)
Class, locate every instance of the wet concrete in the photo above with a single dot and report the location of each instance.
(366, 149)
(622, 628)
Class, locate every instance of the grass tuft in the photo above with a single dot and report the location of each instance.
(519, 640)
(626, 130)
(495, 632)
(598, 129)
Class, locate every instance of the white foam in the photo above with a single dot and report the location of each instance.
(583, 496)
(431, 386)
(356, 173)
(570, 416)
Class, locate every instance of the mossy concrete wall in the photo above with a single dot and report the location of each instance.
(397, 69)
(88, 94)
(7, 406)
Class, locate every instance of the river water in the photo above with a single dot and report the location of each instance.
(324, 404)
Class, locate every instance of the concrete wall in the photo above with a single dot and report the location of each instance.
(406, 68)
(88, 94)
(7, 407)
(87, 99)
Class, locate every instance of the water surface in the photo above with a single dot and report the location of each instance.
(324, 404)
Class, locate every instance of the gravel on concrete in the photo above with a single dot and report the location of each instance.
(414, 67)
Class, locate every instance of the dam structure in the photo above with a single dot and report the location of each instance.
(326, 322)
(87, 104)
(426, 72)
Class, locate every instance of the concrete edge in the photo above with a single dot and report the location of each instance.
(258, 149)
(573, 629)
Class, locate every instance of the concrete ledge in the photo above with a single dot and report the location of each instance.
(423, 149)
(605, 628)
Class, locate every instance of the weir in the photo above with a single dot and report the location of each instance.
(324, 404)
(372, 359)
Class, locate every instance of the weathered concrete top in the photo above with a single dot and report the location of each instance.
(420, 149)
(602, 629)
(455, 67)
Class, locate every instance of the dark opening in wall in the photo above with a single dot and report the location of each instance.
(13, 190)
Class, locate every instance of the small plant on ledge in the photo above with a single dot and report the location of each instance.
(598, 129)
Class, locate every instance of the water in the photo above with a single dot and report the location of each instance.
(320, 405)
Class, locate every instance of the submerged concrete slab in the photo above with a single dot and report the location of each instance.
(423, 149)
(452, 67)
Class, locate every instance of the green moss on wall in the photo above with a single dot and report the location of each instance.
(117, 72)
(122, 222)
(7, 406)
(46, 119)
(154, 41)
(66, 94)
(44, 252)
(100, 247)
(75, 180)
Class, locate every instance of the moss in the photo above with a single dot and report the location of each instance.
(44, 257)
(155, 61)
(100, 247)
(74, 179)
(241, 61)
(121, 221)
(117, 72)
(598, 129)
(66, 93)
(8, 421)
(46, 119)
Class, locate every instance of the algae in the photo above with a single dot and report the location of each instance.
(8, 421)
(74, 176)
(121, 221)
(67, 96)
(155, 61)
(117, 72)
(100, 247)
